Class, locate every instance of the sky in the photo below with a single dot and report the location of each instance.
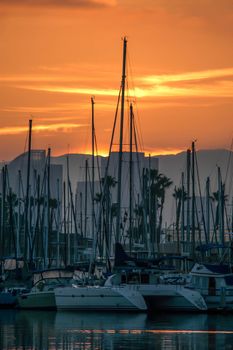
(56, 55)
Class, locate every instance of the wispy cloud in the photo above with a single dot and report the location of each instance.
(65, 127)
(59, 3)
(57, 119)
(205, 83)
(216, 83)
(72, 90)
(189, 76)
(191, 8)
(35, 110)
(24, 109)
(59, 112)
(69, 76)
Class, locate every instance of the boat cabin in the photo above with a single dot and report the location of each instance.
(212, 280)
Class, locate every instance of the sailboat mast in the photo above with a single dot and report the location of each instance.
(2, 241)
(193, 199)
(118, 223)
(182, 214)
(208, 209)
(64, 219)
(85, 200)
(220, 207)
(188, 200)
(26, 231)
(131, 178)
(47, 220)
(68, 214)
(58, 224)
(18, 216)
(93, 165)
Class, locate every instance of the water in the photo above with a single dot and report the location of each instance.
(41, 330)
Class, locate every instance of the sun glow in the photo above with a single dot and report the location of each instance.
(209, 83)
(164, 152)
(179, 73)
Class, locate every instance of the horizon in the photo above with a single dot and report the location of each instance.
(104, 156)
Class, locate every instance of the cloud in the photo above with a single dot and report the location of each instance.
(60, 109)
(59, 3)
(191, 7)
(14, 130)
(189, 76)
(206, 83)
(72, 90)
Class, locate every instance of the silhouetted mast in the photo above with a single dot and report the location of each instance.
(26, 230)
(182, 212)
(93, 166)
(131, 179)
(188, 201)
(85, 200)
(208, 209)
(118, 223)
(193, 198)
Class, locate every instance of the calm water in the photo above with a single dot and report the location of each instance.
(79, 330)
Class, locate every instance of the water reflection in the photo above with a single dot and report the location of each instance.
(39, 330)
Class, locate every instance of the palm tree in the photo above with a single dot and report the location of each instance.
(164, 184)
(104, 199)
(139, 236)
(110, 183)
(179, 195)
(219, 198)
(159, 183)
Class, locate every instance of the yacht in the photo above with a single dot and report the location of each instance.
(102, 298)
(41, 295)
(162, 287)
(215, 283)
(159, 295)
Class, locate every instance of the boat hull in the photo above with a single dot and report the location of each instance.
(171, 298)
(7, 300)
(98, 298)
(216, 303)
(40, 300)
(169, 303)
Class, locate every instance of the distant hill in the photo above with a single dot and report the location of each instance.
(208, 161)
(170, 165)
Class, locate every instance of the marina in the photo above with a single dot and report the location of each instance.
(116, 175)
(128, 266)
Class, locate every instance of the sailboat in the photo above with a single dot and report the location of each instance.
(41, 296)
(103, 298)
(158, 294)
(215, 283)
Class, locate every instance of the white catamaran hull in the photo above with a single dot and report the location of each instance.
(99, 298)
(171, 297)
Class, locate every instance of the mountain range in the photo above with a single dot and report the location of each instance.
(172, 166)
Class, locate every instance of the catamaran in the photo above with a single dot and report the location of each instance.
(120, 298)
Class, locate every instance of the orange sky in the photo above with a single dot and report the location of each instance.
(54, 57)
